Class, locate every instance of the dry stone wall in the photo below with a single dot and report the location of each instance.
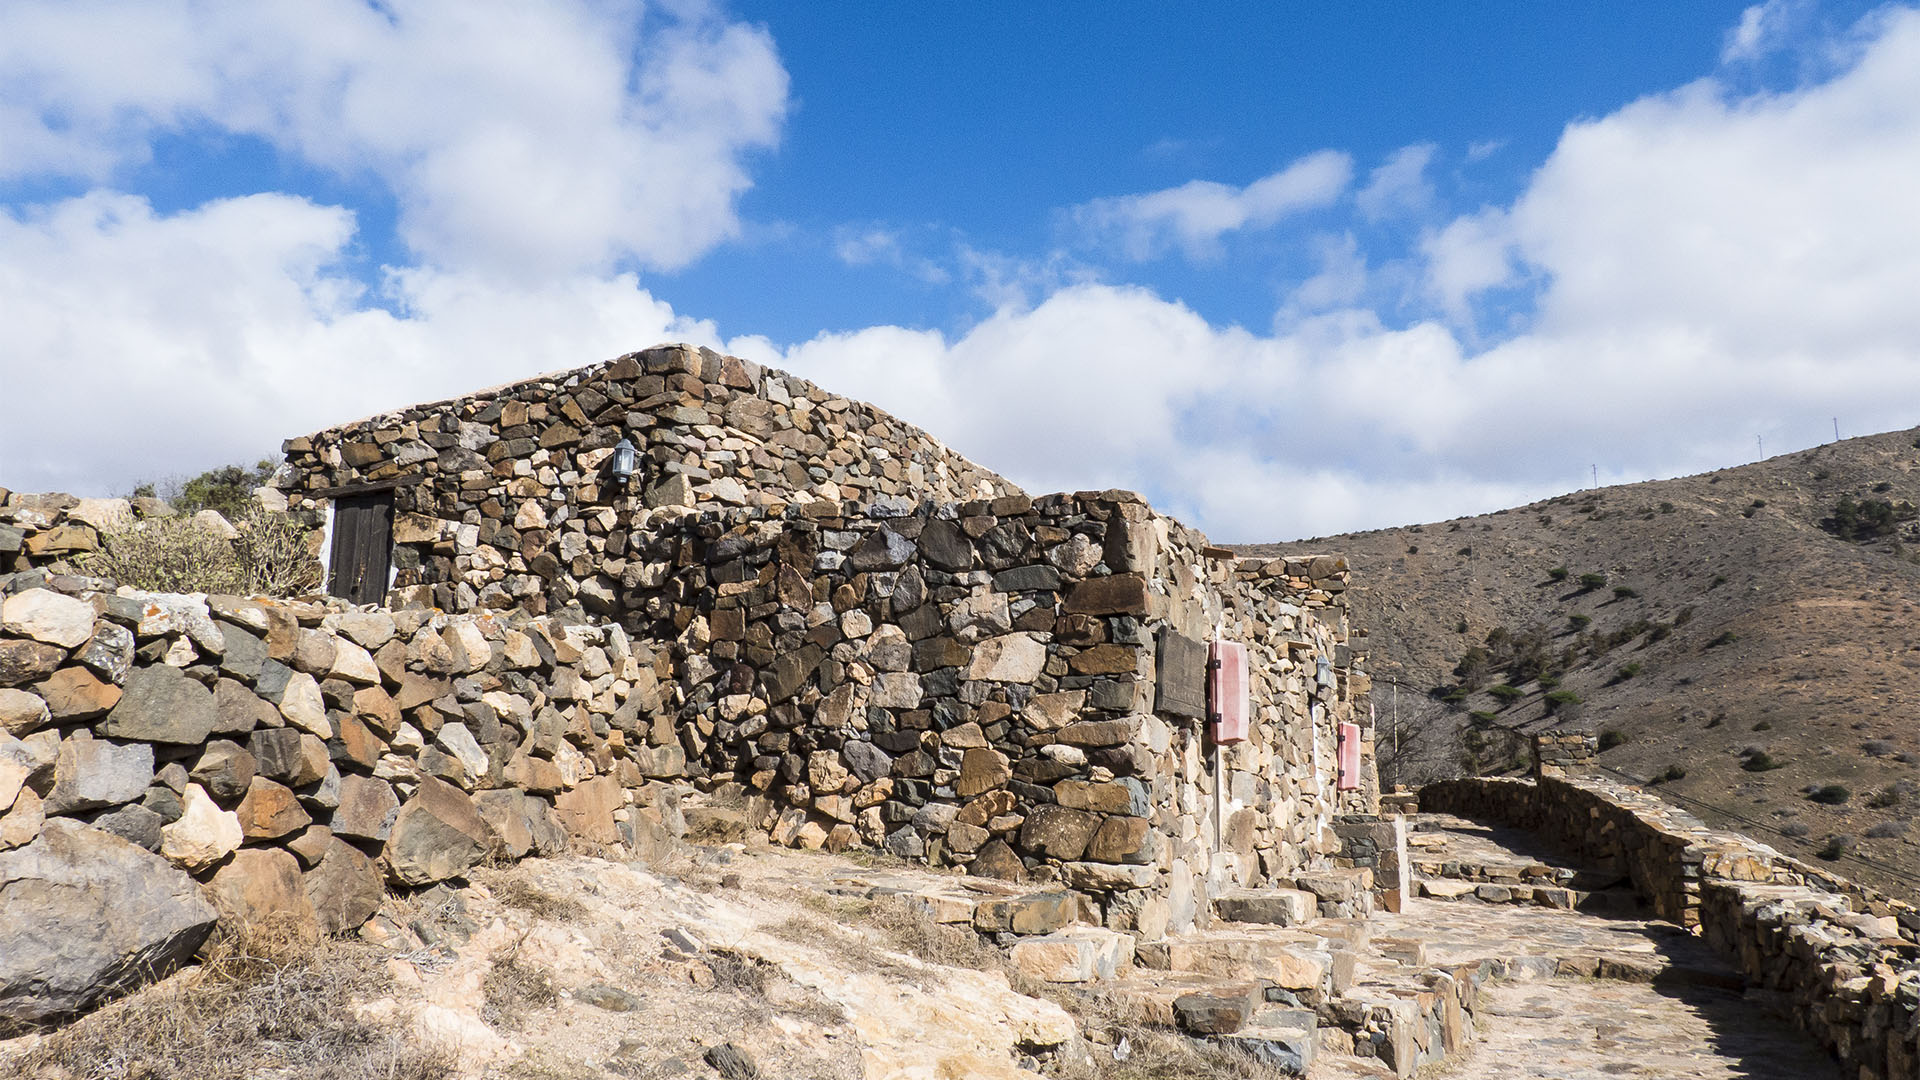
(296, 758)
(1009, 685)
(1839, 959)
(53, 530)
(503, 497)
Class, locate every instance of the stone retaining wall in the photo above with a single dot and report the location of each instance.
(503, 498)
(297, 757)
(1009, 685)
(1840, 959)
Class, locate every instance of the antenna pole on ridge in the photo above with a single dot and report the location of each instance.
(1836, 429)
(1763, 445)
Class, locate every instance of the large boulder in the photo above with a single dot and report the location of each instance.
(437, 835)
(88, 915)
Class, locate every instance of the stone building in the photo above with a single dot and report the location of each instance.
(868, 637)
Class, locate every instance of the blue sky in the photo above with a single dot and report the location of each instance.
(1286, 271)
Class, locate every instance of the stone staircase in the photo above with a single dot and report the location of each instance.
(1310, 973)
(1454, 859)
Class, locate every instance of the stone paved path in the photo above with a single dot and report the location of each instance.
(1603, 1030)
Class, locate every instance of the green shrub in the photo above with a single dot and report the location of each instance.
(1506, 693)
(1626, 671)
(228, 489)
(1764, 725)
(1482, 718)
(1836, 846)
(1577, 623)
(1625, 592)
(1561, 699)
(1558, 573)
(1726, 638)
(1670, 774)
(1762, 762)
(1830, 794)
(1718, 580)
(1611, 738)
(269, 556)
(1666, 508)
(1867, 519)
(1548, 680)
(1590, 582)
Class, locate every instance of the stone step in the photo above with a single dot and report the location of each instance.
(1341, 892)
(1273, 907)
(1412, 1019)
(1147, 996)
(1437, 868)
(1033, 914)
(1288, 964)
(1550, 896)
(1077, 954)
(1283, 1039)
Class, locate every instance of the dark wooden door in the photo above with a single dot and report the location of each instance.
(362, 547)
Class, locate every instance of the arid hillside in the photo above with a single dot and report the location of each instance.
(1745, 639)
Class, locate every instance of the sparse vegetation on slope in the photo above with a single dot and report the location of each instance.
(1776, 597)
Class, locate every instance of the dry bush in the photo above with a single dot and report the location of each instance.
(515, 989)
(740, 973)
(259, 1005)
(271, 556)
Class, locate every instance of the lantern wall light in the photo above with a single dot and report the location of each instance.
(621, 465)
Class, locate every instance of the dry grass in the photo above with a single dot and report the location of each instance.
(258, 1005)
(1159, 1054)
(853, 949)
(914, 932)
(515, 990)
(515, 891)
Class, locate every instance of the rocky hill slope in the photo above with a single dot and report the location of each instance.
(1745, 639)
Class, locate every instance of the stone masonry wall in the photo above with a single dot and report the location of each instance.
(996, 685)
(502, 498)
(295, 757)
(1837, 958)
(52, 530)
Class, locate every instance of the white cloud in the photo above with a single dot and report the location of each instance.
(1763, 29)
(1340, 281)
(875, 245)
(143, 346)
(521, 141)
(1705, 267)
(1195, 215)
(1399, 186)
